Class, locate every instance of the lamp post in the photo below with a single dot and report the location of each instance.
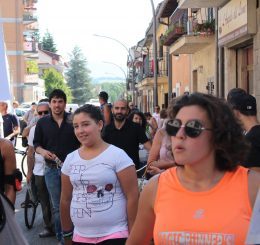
(129, 54)
(111, 63)
(155, 85)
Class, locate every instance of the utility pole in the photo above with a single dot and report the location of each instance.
(155, 75)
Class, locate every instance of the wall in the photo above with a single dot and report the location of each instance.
(204, 62)
(181, 73)
(11, 13)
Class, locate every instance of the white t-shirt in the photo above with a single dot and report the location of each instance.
(39, 163)
(156, 116)
(98, 205)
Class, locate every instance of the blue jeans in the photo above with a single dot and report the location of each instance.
(53, 183)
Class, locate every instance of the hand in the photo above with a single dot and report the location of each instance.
(48, 155)
(154, 170)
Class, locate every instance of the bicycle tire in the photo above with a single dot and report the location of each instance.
(29, 211)
(24, 161)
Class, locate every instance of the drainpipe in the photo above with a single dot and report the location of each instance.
(155, 87)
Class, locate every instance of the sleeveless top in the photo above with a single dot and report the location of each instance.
(218, 216)
(166, 150)
(2, 173)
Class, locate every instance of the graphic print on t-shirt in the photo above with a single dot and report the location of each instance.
(91, 195)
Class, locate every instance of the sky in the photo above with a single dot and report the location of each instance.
(75, 22)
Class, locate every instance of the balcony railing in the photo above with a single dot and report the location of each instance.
(30, 18)
(177, 28)
(147, 70)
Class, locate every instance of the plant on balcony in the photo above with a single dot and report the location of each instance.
(172, 33)
(207, 27)
(32, 67)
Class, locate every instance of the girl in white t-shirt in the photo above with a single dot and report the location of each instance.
(99, 186)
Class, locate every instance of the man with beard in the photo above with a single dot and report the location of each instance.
(125, 134)
(54, 139)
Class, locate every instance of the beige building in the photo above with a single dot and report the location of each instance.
(20, 34)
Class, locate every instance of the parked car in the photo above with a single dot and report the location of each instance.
(71, 107)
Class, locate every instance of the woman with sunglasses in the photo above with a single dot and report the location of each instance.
(208, 197)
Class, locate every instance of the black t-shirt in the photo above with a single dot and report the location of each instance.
(126, 138)
(59, 140)
(253, 158)
(10, 122)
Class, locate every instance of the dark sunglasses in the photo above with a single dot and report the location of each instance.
(43, 112)
(192, 128)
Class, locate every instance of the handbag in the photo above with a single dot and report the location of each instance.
(10, 231)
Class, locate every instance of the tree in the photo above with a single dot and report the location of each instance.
(115, 90)
(78, 77)
(54, 80)
(48, 43)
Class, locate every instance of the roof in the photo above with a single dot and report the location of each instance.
(51, 54)
(168, 7)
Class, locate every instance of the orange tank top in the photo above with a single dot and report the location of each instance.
(218, 216)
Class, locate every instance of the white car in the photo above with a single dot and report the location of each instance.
(71, 107)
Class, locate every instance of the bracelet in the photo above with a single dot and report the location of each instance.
(67, 234)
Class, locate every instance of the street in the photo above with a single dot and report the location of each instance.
(31, 235)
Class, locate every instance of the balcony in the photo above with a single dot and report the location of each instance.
(30, 47)
(201, 3)
(190, 44)
(172, 34)
(29, 18)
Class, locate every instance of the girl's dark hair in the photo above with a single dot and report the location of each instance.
(93, 111)
(139, 113)
(228, 138)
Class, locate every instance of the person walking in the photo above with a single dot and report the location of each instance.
(99, 186)
(105, 107)
(10, 123)
(245, 109)
(208, 197)
(124, 133)
(54, 139)
(35, 173)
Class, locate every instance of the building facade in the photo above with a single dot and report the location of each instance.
(21, 38)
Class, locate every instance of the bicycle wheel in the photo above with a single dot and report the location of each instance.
(24, 163)
(29, 211)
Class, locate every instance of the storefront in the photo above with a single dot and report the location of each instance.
(239, 38)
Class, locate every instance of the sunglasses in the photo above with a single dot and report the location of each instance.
(43, 112)
(192, 128)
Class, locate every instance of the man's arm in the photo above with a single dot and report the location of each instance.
(9, 166)
(38, 142)
(107, 114)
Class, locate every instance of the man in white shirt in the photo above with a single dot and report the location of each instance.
(156, 114)
(36, 166)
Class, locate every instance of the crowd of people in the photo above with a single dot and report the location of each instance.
(202, 155)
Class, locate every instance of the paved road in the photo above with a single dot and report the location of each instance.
(32, 234)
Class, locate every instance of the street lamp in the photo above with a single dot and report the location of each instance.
(111, 63)
(155, 88)
(129, 54)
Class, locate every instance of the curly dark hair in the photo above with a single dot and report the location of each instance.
(228, 138)
(139, 113)
(93, 111)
